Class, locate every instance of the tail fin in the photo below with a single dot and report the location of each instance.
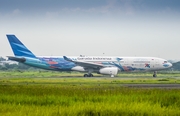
(18, 47)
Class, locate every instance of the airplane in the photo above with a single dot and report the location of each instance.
(109, 65)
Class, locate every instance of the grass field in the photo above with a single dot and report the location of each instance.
(76, 74)
(52, 94)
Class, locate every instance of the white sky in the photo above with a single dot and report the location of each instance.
(114, 28)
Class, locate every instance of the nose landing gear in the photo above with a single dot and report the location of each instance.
(155, 74)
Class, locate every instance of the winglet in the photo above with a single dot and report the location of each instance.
(66, 58)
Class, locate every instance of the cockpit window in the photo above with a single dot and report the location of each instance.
(165, 61)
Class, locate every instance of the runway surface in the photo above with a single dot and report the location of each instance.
(167, 86)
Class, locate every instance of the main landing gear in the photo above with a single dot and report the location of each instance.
(155, 74)
(88, 75)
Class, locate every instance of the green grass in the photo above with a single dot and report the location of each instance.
(38, 100)
(31, 94)
(55, 74)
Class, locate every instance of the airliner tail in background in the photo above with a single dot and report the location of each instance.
(109, 65)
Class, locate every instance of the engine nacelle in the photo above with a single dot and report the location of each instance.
(109, 71)
(78, 68)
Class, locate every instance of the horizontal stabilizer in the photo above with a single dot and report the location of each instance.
(16, 59)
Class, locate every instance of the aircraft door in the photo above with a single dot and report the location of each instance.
(155, 64)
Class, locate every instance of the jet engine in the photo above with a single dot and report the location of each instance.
(109, 71)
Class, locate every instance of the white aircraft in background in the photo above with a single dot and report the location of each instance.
(109, 65)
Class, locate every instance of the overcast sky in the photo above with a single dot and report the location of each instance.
(93, 27)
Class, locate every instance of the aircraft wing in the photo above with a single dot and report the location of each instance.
(85, 64)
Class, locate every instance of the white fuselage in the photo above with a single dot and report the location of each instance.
(83, 63)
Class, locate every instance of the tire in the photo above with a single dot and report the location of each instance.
(85, 75)
(90, 75)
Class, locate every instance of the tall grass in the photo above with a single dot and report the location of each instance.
(49, 94)
(54, 100)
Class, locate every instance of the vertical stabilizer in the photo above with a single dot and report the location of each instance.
(18, 47)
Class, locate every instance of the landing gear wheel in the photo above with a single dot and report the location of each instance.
(86, 75)
(90, 75)
(155, 74)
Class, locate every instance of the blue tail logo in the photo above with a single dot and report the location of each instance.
(18, 47)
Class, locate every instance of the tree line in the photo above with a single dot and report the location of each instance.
(13, 66)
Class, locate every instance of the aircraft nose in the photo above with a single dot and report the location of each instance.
(170, 64)
(167, 64)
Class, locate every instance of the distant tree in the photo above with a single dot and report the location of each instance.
(19, 66)
(3, 68)
(25, 67)
(2, 59)
(176, 66)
